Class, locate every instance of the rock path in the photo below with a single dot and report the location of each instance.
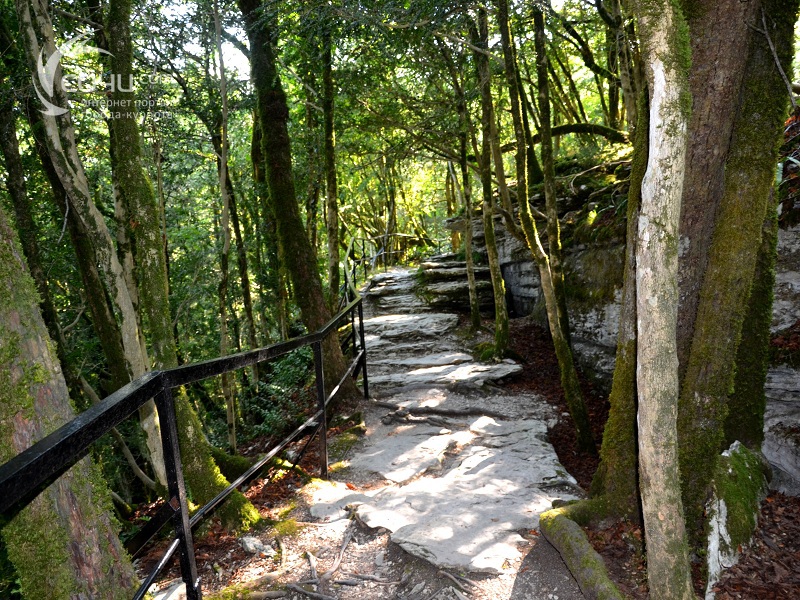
(459, 490)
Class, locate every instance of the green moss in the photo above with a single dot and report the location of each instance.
(739, 481)
(36, 540)
(231, 466)
(339, 446)
(286, 528)
(745, 421)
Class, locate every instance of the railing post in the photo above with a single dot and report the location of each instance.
(177, 492)
(323, 422)
(363, 347)
(364, 257)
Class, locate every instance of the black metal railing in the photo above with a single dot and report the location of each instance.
(26, 475)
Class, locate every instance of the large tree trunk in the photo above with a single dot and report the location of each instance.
(59, 134)
(100, 309)
(295, 251)
(719, 54)
(202, 474)
(666, 61)
(743, 179)
(63, 545)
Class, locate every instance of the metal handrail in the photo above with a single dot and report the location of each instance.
(26, 475)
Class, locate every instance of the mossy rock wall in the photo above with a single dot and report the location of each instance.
(594, 288)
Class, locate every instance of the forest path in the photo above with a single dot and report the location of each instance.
(462, 490)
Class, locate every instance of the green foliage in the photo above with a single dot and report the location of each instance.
(281, 401)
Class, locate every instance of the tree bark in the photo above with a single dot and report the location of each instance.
(616, 477)
(747, 178)
(480, 40)
(100, 309)
(63, 544)
(295, 251)
(666, 59)
(331, 189)
(719, 53)
(202, 474)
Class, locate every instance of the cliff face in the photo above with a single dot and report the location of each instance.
(594, 285)
(594, 288)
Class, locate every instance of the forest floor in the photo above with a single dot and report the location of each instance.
(303, 556)
(768, 569)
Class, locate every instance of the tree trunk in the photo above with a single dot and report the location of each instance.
(480, 40)
(331, 201)
(747, 176)
(553, 226)
(746, 406)
(225, 234)
(616, 476)
(719, 53)
(295, 251)
(202, 474)
(63, 544)
(103, 321)
(666, 62)
(60, 138)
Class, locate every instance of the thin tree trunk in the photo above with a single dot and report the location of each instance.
(63, 544)
(616, 476)
(331, 201)
(668, 570)
(227, 378)
(480, 40)
(296, 253)
(553, 226)
(465, 199)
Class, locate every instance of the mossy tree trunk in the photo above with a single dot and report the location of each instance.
(59, 135)
(331, 200)
(64, 544)
(480, 39)
(746, 175)
(202, 475)
(295, 252)
(100, 309)
(666, 61)
(225, 233)
(746, 406)
(615, 480)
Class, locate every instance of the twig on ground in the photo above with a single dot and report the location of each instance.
(347, 537)
(454, 580)
(305, 592)
(459, 595)
(312, 564)
(350, 582)
(377, 580)
(465, 580)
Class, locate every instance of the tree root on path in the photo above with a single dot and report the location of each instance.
(469, 411)
(585, 564)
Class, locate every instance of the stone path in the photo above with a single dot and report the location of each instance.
(457, 490)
